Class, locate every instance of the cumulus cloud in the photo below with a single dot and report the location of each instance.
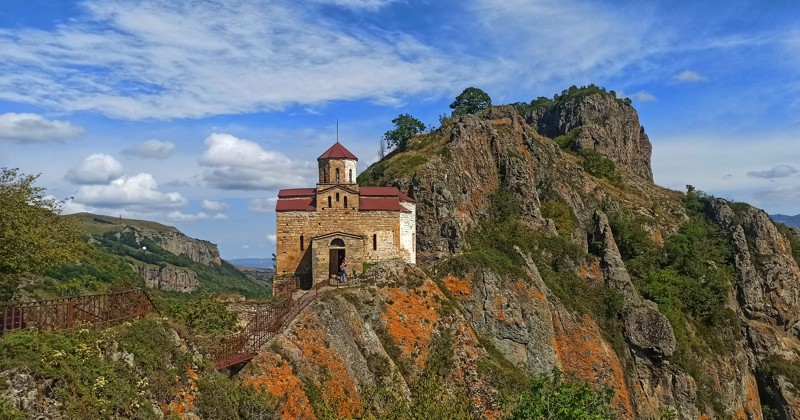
(272, 238)
(33, 128)
(151, 149)
(212, 205)
(178, 216)
(263, 205)
(238, 164)
(138, 192)
(689, 76)
(780, 171)
(97, 168)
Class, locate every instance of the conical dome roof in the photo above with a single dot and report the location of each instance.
(337, 151)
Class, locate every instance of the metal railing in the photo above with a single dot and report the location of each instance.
(65, 313)
(265, 324)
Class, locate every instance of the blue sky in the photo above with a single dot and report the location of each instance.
(194, 113)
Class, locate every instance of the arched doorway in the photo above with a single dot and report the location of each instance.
(337, 255)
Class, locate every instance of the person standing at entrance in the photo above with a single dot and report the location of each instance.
(343, 271)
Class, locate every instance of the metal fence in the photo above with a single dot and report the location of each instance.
(69, 312)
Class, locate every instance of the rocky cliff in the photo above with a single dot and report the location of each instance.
(543, 255)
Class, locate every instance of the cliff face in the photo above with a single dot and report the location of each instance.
(197, 250)
(602, 123)
(578, 295)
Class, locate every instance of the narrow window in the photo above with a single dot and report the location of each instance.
(337, 197)
(325, 177)
(345, 201)
(337, 175)
(329, 201)
(351, 176)
(302, 245)
(374, 242)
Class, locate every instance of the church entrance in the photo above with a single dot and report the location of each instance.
(337, 255)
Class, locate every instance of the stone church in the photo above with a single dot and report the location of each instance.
(319, 227)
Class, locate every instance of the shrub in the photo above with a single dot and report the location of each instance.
(598, 165)
(556, 397)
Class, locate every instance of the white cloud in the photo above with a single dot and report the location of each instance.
(272, 238)
(784, 194)
(239, 164)
(212, 205)
(178, 216)
(150, 60)
(151, 149)
(357, 4)
(643, 96)
(138, 192)
(33, 128)
(263, 205)
(780, 171)
(97, 168)
(689, 76)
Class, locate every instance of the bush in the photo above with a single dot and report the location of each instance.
(561, 214)
(556, 397)
(598, 165)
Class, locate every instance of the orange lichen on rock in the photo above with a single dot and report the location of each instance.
(184, 398)
(583, 352)
(275, 376)
(521, 289)
(591, 271)
(340, 390)
(459, 288)
(658, 237)
(410, 319)
(753, 406)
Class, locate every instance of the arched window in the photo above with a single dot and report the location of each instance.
(337, 197)
(374, 242)
(329, 201)
(325, 177)
(337, 175)
(337, 242)
(302, 245)
(345, 201)
(351, 176)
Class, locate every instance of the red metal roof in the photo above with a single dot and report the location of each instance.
(300, 204)
(380, 204)
(378, 192)
(406, 198)
(296, 192)
(337, 151)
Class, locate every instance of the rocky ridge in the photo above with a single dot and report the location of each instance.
(646, 353)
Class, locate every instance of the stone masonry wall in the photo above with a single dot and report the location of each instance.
(292, 261)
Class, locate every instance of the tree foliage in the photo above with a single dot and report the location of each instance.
(405, 127)
(470, 101)
(32, 235)
(559, 398)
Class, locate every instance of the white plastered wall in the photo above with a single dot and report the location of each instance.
(408, 230)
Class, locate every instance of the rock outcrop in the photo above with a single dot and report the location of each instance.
(656, 361)
(602, 123)
(197, 250)
(169, 278)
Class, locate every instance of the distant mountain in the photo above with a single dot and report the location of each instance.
(254, 262)
(158, 256)
(793, 221)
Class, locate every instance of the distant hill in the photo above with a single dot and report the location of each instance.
(793, 221)
(254, 262)
(125, 251)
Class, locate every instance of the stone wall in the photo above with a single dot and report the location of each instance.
(171, 279)
(346, 167)
(347, 194)
(294, 261)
